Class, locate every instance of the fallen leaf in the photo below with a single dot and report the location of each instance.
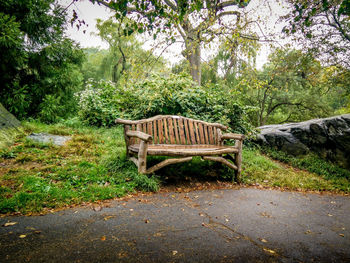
(22, 236)
(157, 235)
(103, 238)
(342, 235)
(308, 232)
(270, 251)
(146, 221)
(226, 220)
(263, 240)
(131, 209)
(201, 214)
(330, 215)
(174, 252)
(10, 223)
(108, 217)
(97, 208)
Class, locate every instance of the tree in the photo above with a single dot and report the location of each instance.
(124, 57)
(36, 60)
(324, 27)
(289, 88)
(196, 22)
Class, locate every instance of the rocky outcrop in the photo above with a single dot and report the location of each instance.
(7, 120)
(329, 138)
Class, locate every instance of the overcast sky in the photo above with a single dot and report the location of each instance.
(89, 12)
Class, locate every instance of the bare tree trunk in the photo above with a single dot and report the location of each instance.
(193, 55)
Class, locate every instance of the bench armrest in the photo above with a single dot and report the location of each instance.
(140, 135)
(234, 136)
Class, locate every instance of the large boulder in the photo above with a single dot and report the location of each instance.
(329, 138)
(7, 120)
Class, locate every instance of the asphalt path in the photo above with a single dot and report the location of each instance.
(236, 225)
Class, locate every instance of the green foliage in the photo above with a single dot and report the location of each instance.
(89, 168)
(101, 102)
(36, 59)
(314, 164)
(324, 26)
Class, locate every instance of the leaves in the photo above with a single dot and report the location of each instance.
(10, 224)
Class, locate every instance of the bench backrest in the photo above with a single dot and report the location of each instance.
(170, 129)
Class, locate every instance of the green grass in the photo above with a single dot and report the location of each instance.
(36, 177)
(92, 166)
(307, 173)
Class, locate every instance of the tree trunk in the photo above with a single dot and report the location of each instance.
(193, 55)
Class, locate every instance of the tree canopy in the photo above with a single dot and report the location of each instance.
(323, 27)
(195, 22)
(37, 61)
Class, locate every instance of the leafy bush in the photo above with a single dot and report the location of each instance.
(102, 101)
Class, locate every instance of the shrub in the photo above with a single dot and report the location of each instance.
(101, 102)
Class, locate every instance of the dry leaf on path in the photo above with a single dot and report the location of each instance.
(22, 236)
(103, 238)
(10, 223)
(174, 252)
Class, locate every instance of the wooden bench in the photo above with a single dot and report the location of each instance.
(176, 136)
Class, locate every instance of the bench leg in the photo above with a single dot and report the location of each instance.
(238, 161)
(142, 157)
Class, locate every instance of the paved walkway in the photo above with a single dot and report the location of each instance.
(246, 225)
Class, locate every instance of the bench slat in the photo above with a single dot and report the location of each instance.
(182, 131)
(191, 127)
(195, 125)
(206, 138)
(160, 131)
(166, 133)
(176, 131)
(149, 129)
(171, 131)
(211, 135)
(188, 136)
(155, 137)
(201, 133)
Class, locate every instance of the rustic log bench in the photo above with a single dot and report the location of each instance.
(176, 136)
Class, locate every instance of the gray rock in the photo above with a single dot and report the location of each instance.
(49, 138)
(7, 120)
(329, 138)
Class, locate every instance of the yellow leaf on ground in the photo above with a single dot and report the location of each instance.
(270, 251)
(10, 223)
(103, 238)
(22, 236)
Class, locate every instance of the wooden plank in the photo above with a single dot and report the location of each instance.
(195, 125)
(176, 131)
(191, 127)
(133, 140)
(144, 127)
(211, 135)
(149, 129)
(182, 131)
(155, 137)
(188, 136)
(121, 121)
(201, 133)
(160, 131)
(215, 133)
(206, 138)
(171, 131)
(166, 131)
(167, 162)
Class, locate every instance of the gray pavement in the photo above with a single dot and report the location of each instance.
(245, 225)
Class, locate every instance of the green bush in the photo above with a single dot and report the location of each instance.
(101, 102)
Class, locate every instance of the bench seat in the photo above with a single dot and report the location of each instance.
(184, 150)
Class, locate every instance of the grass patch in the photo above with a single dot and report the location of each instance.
(38, 176)
(93, 166)
(338, 177)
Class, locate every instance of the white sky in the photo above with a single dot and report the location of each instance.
(267, 9)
